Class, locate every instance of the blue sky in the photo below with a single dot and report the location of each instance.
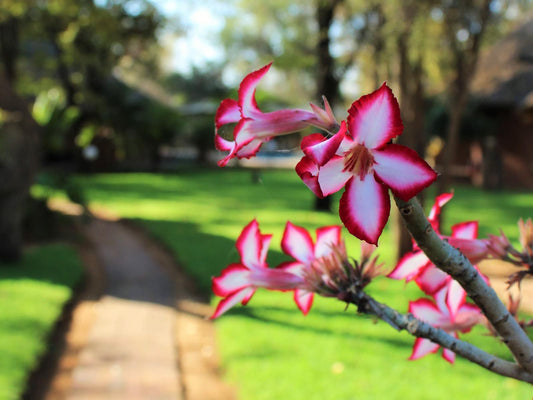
(192, 31)
(201, 23)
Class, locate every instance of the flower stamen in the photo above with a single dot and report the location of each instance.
(358, 160)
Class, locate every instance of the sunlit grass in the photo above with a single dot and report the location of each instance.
(32, 295)
(269, 350)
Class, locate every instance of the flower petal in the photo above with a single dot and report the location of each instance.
(440, 201)
(247, 90)
(232, 278)
(455, 298)
(325, 237)
(227, 112)
(468, 316)
(465, 230)
(403, 170)
(225, 304)
(245, 144)
(265, 242)
(297, 243)
(431, 279)
(448, 355)
(410, 266)
(243, 133)
(249, 245)
(223, 144)
(331, 177)
(304, 300)
(307, 170)
(250, 149)
(423, 347)
(324, 117)
(374, 119)
(320, 149)
(473, 249)
(364, 208)
(425, 310)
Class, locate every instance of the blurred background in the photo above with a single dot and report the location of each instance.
(97, 86)
(101, 88)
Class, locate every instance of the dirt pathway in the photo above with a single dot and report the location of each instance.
(146, 336)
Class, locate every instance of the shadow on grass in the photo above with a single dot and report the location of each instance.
(353, 333)
(40, 264)
(202, 255)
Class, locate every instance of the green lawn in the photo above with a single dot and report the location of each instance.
(32, 295)
(269, 350)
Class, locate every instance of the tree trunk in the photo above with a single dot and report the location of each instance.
(465, 59)
(19, 159)
(412, 108)
(327, 82)
(452, 141)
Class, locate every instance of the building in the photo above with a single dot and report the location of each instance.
(503, 89)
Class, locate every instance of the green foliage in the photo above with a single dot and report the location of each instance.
(63, 53)
(199, 85)
(56, 118)
(199, 94)
(269, 350)
(32, 295)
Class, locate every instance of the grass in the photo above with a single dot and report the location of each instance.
(32, 295)
(269, 350)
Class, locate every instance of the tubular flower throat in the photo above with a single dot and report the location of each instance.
(255, 127)
(358, 161)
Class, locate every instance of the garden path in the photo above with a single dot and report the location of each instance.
(141, 331)
(146, 336)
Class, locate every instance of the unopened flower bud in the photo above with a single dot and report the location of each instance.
(499, 246)
(526, 235)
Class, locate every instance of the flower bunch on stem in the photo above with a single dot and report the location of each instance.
(359, 155)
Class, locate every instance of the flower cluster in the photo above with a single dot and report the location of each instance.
(320, 267)
(448, 308)
(417, 266)
(449, 311)
(359, 155)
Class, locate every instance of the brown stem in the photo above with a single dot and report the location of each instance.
(454, 263)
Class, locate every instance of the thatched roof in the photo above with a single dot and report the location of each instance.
(504, 76)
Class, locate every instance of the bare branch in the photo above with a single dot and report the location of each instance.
(454, 263)
(366, 304)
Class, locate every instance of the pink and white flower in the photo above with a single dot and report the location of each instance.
(361, 158)
(297, 243)
(255, 127)
(238, 282)
(417, 266)
(449, 312)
